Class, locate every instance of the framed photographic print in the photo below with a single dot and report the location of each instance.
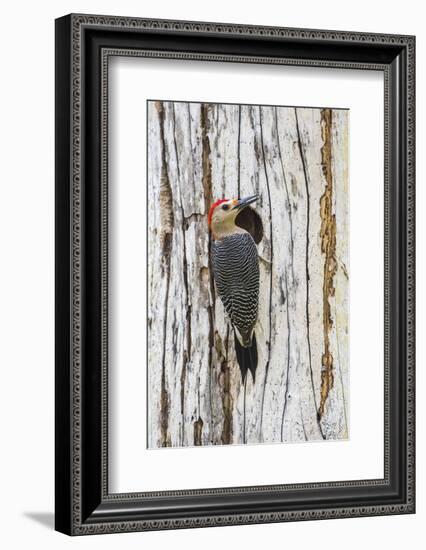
(234, 274)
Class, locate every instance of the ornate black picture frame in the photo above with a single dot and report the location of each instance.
(83, 45)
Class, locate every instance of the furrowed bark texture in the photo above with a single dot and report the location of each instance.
(296, 160)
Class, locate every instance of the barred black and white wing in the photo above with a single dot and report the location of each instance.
(236, 272)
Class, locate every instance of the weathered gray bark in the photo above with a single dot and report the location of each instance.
(296, 161)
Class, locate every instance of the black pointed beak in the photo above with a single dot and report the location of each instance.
(242, 203)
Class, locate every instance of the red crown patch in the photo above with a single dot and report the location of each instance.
(213, 206)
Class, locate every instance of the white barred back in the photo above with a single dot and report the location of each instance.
(235, 265)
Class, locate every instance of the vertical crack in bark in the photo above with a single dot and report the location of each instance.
(328, 248)
(176, 153)
(227, 401)
(308, 214)
(292, 271)
(270, 273)
(166, 242)
(244, 410)
(189, 131)
(198, 424)
(185, 360)
(186, 356)
(208, 199)
(198, 432)
(303, 421)
(288, 358)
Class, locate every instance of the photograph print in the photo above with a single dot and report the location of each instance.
(248, 274)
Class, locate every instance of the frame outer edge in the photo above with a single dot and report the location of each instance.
(63, 495)
(76, 258)
(411, 272)
(77, 22)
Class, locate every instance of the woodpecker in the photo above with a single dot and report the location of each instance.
(235, 266)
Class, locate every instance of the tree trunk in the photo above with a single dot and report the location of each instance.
(296, 161)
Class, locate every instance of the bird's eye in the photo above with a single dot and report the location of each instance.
(225, 207)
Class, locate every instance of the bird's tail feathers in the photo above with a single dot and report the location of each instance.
(247, 357)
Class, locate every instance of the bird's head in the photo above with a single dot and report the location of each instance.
(223, 213)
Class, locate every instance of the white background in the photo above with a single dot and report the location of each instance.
(26, 305)
(132, 81)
